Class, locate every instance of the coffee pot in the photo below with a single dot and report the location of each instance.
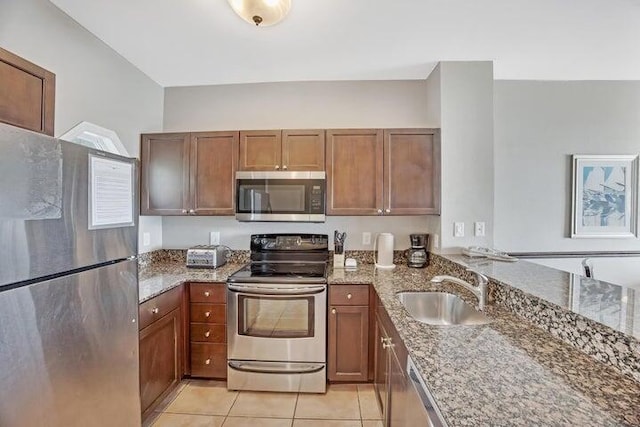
(418, 257)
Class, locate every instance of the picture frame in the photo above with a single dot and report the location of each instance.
(605, 196)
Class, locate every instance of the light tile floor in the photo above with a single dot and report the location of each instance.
(198, 403)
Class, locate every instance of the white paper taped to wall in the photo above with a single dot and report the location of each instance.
(110, 193)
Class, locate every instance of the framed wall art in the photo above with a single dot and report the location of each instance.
(605, 196)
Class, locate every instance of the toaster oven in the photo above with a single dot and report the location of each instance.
(206, 256)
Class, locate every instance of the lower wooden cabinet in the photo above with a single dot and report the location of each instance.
(208, 330)
(161, 359)
(348, 332)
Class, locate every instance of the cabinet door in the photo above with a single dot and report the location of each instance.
(348, 343)
(381, 369)
(27, 94)
(214, 156)
(164, 174)
(260, 150)
(354, 172)
(412, 171)
(160, 359)
(398, 394)
(303, 150)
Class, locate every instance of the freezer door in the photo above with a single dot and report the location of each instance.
(69, 350)
(44, 207)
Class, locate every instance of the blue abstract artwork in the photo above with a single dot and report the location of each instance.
(603, 196)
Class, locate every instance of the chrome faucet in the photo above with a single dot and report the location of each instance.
(480, 291)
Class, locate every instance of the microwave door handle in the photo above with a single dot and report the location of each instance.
(261, 290)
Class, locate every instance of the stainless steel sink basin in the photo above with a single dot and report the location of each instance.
(441, 308)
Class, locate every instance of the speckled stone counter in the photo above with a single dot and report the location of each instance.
(159, 277)
(506, 373)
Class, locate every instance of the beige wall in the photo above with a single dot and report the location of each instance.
(93, 82)
(358, 104)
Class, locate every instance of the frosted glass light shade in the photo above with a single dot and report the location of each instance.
(261, 12)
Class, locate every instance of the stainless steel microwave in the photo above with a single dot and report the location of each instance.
(280, 196)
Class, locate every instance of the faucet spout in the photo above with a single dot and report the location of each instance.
(480, 291)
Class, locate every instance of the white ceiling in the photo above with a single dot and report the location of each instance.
(201, 42)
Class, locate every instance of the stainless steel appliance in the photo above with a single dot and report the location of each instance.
(207, 256)
(419, 407)
(276, 315)
(280, 196)
(68, 284)
(418, 257)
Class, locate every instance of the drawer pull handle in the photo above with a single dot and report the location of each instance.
(333, 311)
(349, 296)
(207, 362)
(155, 310)
(206, 294)
(207, 314)
(206, 334)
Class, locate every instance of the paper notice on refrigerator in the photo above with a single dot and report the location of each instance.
(111, 193)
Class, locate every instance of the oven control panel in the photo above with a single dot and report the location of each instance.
(280, 242)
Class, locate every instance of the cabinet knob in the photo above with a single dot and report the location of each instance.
(184, 211)
(207, 314)
(387, 210)
(192, 211)
(155, 310)
(333, 311)
(277, 167)
(349, 296)
(207, 362)
(284, 167)
(379, 211)
(206, 334)
(206, 294)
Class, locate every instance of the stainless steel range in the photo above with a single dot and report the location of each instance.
(277, 312)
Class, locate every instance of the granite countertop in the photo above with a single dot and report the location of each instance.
(159, 277)
(507, 372)
(615, 306)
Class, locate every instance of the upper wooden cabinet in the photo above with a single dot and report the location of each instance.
(188, 173)
(27, 94)
(411, 171)
(287, 150)
(354, 171)
(390, 172)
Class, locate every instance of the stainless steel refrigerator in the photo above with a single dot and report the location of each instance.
(68, 284)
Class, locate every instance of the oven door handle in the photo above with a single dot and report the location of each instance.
(276, 368)
(263, 290)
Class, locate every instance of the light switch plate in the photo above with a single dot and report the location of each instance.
(146, 239)
(458, 229)
(479, 229)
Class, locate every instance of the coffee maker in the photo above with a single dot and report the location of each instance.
(418, 257)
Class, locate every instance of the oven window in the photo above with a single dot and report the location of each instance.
(289, 317)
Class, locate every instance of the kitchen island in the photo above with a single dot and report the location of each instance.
(507, 372)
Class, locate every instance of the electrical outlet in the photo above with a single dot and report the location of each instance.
(458, 229)
(479, 229)
(146, 239)
(435, 241)
(214, 238)
(366, 238)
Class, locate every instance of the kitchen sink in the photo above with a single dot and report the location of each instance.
(441, 308)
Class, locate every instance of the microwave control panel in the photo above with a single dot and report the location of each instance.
(316, 200)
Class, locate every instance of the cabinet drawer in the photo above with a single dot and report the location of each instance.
(155, 308)
(204, 332)
(208, 292)
(349, 295)
(208, 360)
(208, 313)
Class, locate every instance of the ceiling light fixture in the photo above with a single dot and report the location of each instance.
(261, 12)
